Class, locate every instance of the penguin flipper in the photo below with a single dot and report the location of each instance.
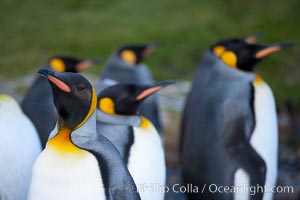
(237, 143)
(255, 166)
(117, 180)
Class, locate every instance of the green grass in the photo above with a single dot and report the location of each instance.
(33, 30)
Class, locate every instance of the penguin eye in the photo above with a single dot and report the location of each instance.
(80, 87)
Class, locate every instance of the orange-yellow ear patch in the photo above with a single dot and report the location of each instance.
(57, 64)
(267, 51)
(129, 56)
(107, 105)
(218, 50)
(148, 92)
(61, 85)
(229, 58)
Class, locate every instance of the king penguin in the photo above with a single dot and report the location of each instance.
(217, 50)
(229, 129)
(38, 105)
(125, 66)
(134, 135)
(77, 163)
(19, 147)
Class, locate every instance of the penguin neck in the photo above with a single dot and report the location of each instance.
(87, 132)
(258, 79)
(134, 120)
(63, 140)
(145, 123)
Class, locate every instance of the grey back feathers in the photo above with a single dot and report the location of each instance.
(216, 84)
(118, 119)
(101, 84)
(39, 107)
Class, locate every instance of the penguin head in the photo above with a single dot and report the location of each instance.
(220, 47)
(74, 98)
(243, 54)
(69, 64)
(134, 54)
(124, 99)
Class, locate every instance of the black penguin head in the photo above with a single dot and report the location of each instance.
(221, 46)
(243, 54)
(134, 54)
(124, 99)
(74, 98)
(69, 64)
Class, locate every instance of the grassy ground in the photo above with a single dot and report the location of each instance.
(33, 30)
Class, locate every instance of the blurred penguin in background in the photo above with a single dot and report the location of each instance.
(19, 147)
(125, 66)
(38, 102)
(133, 134)
(229, 126)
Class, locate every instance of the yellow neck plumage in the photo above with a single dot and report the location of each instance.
(145, 122)
(62, 142)
(258, 79)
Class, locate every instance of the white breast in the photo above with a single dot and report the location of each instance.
(265, 136)
(19, 147)
(241, 179)
(66, 177)
(147, 163)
